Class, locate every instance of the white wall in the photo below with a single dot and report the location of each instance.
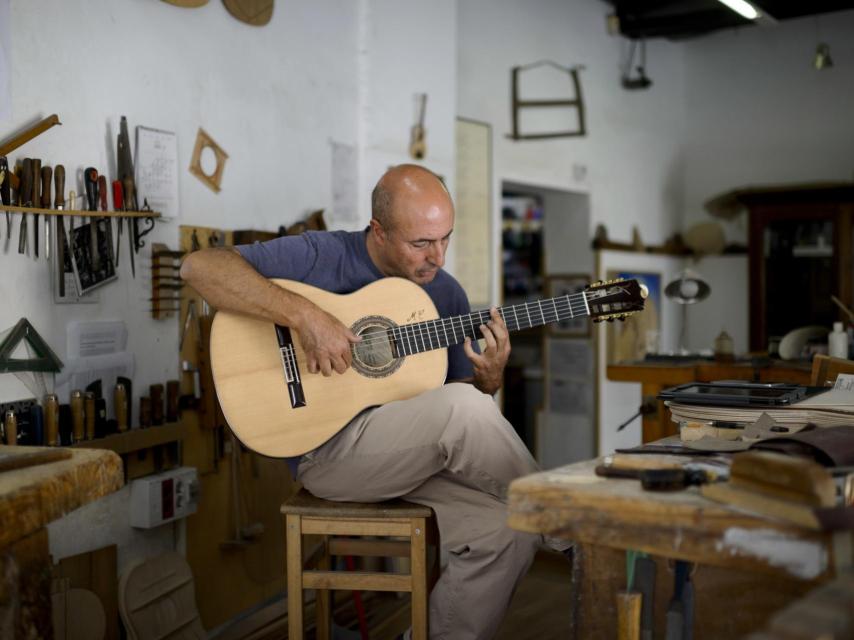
(630, 162)
(759, 113)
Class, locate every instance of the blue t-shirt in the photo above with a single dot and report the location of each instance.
(338, 261)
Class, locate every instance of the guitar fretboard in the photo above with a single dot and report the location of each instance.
(444, 332)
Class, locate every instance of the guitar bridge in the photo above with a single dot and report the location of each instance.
(290, 366)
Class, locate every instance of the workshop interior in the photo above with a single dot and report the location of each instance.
(656, 198)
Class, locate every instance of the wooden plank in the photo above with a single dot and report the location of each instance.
(137, 439)
(573, 503)
(11, 458)
(356, 527)
(356, 581)
(418, 563)
(33, 496)
(371, 548)
(322, 605)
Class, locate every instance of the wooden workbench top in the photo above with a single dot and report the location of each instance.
(572, 502)
(32, 496)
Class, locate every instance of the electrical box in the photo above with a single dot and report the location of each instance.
(156, 500)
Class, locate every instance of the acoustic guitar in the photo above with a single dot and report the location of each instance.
(275, 407)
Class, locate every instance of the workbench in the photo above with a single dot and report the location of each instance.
(657, 375)
(30, 498)
(746, 566)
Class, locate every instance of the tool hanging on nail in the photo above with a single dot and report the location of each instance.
(90, 179)
(35, 201)
(108, 221)
(5, 182)
(59, 203)
(25, 199)
(47, 174)
(118, 205)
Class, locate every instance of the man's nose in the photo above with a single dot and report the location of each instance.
(437, 254)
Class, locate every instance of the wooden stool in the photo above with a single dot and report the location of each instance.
(306, 515)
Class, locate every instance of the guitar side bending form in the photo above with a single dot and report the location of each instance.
(447, 447)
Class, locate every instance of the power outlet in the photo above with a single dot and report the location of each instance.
(18, 406)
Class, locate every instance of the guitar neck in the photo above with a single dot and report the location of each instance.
(445, 332)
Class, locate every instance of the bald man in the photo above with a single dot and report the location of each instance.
(449, 448)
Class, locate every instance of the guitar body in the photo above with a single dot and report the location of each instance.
(250, 373)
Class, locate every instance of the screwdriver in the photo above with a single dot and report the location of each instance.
(47, 174)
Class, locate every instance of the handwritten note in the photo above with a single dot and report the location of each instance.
(157, 170)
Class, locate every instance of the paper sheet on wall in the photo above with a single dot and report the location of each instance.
(471, 226)
(5, 62)
(156, 166)
(86, 339)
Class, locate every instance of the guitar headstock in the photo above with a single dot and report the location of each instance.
(615, 299)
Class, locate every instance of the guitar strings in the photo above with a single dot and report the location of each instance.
(575, 304)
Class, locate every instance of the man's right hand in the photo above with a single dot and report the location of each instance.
(326, 342)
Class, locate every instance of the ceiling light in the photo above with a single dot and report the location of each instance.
(742, 8)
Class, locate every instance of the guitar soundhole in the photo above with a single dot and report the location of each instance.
(374, 355)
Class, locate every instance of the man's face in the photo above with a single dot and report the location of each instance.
(414, 248)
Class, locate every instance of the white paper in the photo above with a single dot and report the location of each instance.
(844, 381)
(156, 166)
(344, 183)
(5, 62)
(85, 339)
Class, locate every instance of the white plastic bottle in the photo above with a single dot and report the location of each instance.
(837, 341)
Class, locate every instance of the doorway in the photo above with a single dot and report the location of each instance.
(549, 381)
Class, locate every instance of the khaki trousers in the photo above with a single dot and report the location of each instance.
(452, 450)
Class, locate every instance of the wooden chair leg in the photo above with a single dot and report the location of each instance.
(294, 560)
(418, 571)
(322, 597)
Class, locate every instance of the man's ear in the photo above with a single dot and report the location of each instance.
(377, 230)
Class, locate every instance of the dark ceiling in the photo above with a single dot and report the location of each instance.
(679, 19)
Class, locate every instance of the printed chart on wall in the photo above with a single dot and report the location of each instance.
(157, 170)
(639, 334)
(471, 226)
(5, 62)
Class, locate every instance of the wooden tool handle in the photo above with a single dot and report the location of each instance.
(51, 418)
(129, 195)
(47, 174)
(35, 196)
(145, 411)
(26, 191)
(156, 394)
(78, 431)
(172, 393)
(120, 399)
(89, 406)
(102, 191)
(10, 426)
(59, 185)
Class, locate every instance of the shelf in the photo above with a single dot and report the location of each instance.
(136, 439)
(79, 213)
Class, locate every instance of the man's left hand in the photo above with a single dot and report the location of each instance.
(489, 365)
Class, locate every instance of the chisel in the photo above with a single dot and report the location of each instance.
(25, 195)
(59, 203)
(90, 178)
(118, 205)
(35, 201)
(108, 222)
(4, 192)
(47, 174)
(129, 200)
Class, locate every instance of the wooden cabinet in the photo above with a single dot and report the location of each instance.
(800, 253)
